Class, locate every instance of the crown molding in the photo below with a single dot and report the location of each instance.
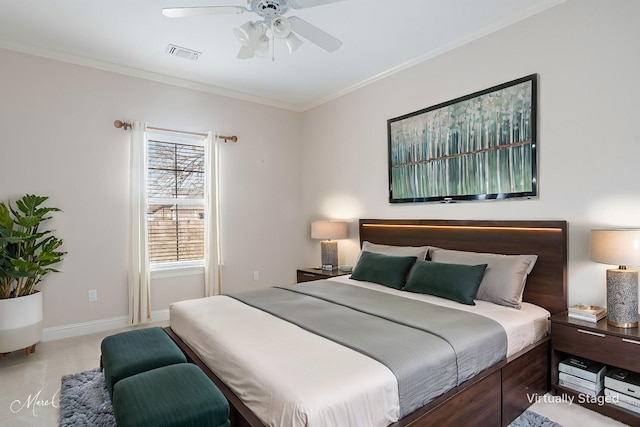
(439, 51)
(146, 75)
(216, 90)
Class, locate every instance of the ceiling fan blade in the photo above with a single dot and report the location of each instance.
(183, 12)
(314, 34)
(301, 4)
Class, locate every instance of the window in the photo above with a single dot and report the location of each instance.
(176, 181)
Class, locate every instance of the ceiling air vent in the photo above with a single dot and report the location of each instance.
(182, 52)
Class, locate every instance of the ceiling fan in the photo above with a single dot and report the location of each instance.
(255, 35)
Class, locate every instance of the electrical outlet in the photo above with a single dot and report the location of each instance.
(93, 295)
(256, 275)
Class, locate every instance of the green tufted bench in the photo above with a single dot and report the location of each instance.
(132, 352)
(172, 396)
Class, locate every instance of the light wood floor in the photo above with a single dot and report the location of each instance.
(36, 379)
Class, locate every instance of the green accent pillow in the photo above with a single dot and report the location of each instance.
(456, 282)
(503, 282)
(386, 270)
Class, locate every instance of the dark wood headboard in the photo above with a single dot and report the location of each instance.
(547, 283)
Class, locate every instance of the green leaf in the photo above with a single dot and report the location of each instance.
(29, 203)
(5, 217)
(26, 253)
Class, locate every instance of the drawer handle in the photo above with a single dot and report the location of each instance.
(308, 274)
(592, 333)
(630, 341)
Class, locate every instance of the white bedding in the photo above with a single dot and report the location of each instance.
(290, 377)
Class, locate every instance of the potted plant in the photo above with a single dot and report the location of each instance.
(26, 256)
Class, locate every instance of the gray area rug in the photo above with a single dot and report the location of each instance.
(84, 400)
(532, 419)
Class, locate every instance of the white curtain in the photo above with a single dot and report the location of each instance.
(212, 263)
(139, 286)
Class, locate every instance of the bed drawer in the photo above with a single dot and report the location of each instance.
(597, 345)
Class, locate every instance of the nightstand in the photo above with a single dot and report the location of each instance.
(600, 342)
(310, 274)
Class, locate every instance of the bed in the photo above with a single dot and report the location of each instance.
(494, 396)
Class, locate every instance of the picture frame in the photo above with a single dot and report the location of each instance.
(481, 146)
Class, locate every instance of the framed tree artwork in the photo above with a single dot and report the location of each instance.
(477, 147)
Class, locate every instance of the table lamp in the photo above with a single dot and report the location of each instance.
(328, 231)
(619, 247)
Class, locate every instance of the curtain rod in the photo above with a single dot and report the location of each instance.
(126, 126)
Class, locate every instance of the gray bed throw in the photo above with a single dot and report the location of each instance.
(430, 349)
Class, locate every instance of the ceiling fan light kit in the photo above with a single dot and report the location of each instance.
(246, 33)
(253, 40)
(292, 42)
(280, 28)
(262, 47)
(256, 37)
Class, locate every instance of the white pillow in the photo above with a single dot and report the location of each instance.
(505, 276)
(418, 251)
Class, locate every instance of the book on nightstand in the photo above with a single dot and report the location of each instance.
(589, 313)
(577, 388)
(623, 381)
(583, 368)
(566, 379)
(622, 400)
(624, 388)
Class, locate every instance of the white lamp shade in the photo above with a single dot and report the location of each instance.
(246, 52)
(616, 247)
(328, 230)
(262, 47)
(280, 28)
(292, 42)
(246, 33)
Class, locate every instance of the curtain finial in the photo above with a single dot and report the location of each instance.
(232, 138)
(120, 124)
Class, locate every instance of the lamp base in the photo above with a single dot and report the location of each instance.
(622, 298)
(622, 325)
(329, 254)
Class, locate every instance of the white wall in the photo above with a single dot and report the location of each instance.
(586, 55)
(58, 139)
(331, 162)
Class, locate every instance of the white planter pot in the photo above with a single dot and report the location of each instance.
(20, 322)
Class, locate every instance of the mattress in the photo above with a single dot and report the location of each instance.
(290, 377)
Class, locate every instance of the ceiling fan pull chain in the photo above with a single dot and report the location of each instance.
(272, 46)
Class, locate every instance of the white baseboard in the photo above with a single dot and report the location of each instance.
(94, 326)
(160, 315)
